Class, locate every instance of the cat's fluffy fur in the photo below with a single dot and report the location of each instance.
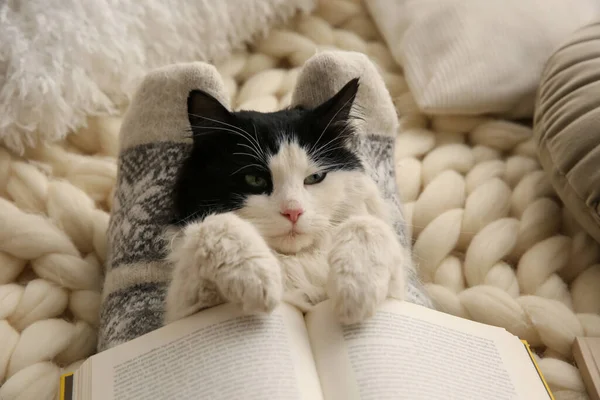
(232, 241)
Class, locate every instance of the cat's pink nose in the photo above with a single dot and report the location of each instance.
(292, 213)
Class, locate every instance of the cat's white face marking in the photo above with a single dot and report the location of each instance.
(318, 203)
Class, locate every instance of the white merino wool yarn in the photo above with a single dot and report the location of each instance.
(493, 242)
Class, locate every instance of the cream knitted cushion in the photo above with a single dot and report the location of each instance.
(567, 125)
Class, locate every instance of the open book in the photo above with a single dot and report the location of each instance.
(404, 352)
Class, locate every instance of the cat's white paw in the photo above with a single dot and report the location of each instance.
(255, 286)
(364, 257)
(229, 253)
(234, 256)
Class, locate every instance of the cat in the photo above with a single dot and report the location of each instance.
(277, 206)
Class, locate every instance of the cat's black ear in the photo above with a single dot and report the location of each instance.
(337, 109)
(206, 114)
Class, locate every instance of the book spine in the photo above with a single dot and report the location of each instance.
(66, 387)
(537, 367)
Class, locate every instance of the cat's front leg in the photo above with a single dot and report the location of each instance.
(222, 259)
(367, 265)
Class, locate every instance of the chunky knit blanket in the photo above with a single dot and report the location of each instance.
(492, 240)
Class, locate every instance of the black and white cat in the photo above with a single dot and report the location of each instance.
(276, 206)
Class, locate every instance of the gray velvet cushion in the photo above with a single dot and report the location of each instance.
(567, 125)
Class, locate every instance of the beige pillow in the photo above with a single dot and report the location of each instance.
(477, 56)
(567, 125)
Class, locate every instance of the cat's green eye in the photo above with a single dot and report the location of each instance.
(255, 181)
(315, 178)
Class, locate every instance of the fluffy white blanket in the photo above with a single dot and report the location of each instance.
(62, 60)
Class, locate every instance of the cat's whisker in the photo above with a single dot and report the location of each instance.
(262, 152)
(241, 132)
(244, 154)
(246, 166)
(331, 150)
(333, 166)
(206, 133)
(335, 139)
(211, 128)
(331, 120)
(254, 148)
(189, 217)
(329, 147)
(247, 154)
(207, 204)
(253, 140)
(259, 157)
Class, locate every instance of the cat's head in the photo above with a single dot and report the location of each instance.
(287, 172)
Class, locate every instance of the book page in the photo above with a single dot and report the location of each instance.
(216, 354)
(410, 352)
